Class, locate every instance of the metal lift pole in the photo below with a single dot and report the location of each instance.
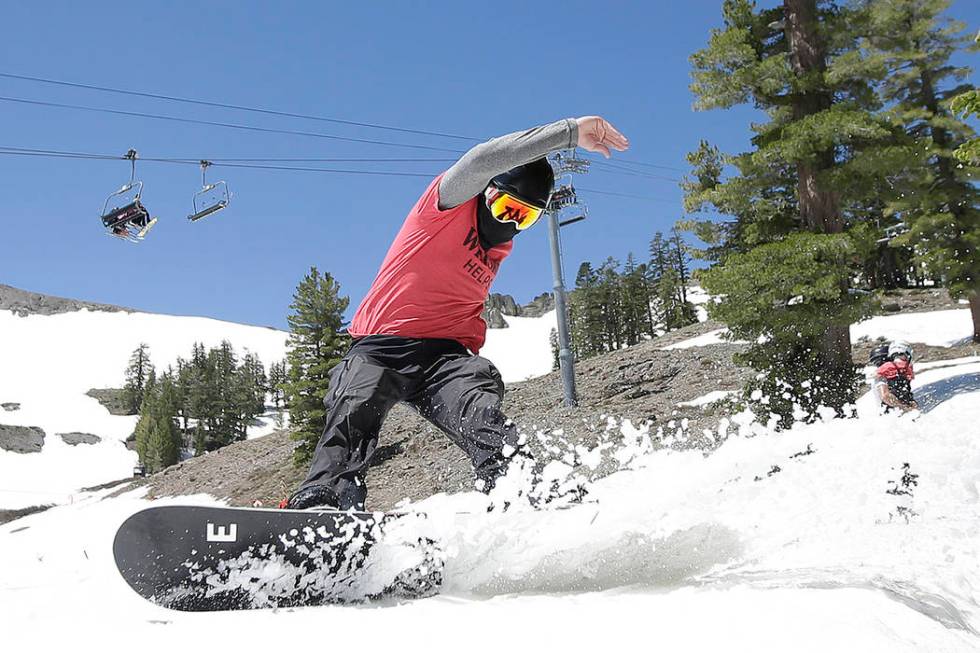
(566, 361)
(565, 163)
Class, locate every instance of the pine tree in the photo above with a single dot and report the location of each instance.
(555, 350)
(800, 63)
(586, 313)
(277, 377)
(609, 296)
(939, 198)
(633, 299)
(164, 438)
(250, 392)
(139, 369)
(315, 346)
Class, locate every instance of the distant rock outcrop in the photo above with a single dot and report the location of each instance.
(79, 438)
(21, 439)
(112, 399)
(25, 302)
(539, 305)
(498, 305)
(10, 406)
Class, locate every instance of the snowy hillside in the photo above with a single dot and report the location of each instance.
(49, 362)
(776, 542)
(850, 535)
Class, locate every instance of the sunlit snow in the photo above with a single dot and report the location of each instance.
(687, 551)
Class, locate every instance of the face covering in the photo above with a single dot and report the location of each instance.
(492, 232)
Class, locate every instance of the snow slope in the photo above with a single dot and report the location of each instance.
(937, 328)
(680, 552)
(49, 362)
(522, 350)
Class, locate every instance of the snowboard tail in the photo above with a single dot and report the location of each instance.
(200, 558)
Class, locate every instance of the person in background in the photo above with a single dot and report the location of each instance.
(893, 378)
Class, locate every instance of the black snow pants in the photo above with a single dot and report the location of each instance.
(456, 391)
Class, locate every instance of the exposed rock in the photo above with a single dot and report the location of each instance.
(10, 406)
(24, 303)
(75, 438)
(21, 439)
(11, 515)
(112, 399)
(538, 306)
(499, 305)
(496, 307)
(916, 300)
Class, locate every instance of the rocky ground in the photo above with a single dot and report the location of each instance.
(642, 383)
(25, 302)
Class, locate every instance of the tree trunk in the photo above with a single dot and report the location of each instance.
(819, 206)
(974, 299)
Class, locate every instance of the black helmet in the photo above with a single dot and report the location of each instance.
(532, 182)
(878, 355)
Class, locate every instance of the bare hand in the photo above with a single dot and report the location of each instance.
(597, 135)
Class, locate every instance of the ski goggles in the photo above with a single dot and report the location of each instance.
(507, 208)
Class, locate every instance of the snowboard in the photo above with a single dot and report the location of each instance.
(200, 558)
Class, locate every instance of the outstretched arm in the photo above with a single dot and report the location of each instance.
(470, 175)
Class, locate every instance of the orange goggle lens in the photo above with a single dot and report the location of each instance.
(508, 208)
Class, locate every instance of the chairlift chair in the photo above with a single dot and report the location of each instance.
(127, 218)
(211, 198)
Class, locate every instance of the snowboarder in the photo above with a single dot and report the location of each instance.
(893, 378)
(418, 332)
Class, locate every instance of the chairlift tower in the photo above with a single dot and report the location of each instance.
(563, 210)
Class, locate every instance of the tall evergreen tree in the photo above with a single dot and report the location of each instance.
(315, 346)
(555, 350)
(164, 438)
(277, 377)
(635, 302)
(609, 297)
(137, 373)
(586, 313)
(938, 199)
(795, 62)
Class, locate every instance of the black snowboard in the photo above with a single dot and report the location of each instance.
(214, 558)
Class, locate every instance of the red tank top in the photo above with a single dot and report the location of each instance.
(435, 279)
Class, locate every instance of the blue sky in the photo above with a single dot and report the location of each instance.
(473, 69)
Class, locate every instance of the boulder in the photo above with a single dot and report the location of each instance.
(538, 306)
(76, 438)
(21, 439)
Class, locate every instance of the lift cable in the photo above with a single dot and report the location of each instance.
(236, 107)
(228, 125)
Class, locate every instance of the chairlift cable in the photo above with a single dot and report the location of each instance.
(227, 125)
(236, 107)
(196, 161)
(629, 195)
(214, 162)
(288, 114)
(612, 168)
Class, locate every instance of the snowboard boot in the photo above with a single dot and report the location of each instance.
(312, 497)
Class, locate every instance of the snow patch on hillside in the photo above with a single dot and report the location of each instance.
(937, 328)
(49, 362)
(522, 351)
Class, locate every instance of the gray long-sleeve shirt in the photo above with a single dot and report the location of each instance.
(470, 175)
